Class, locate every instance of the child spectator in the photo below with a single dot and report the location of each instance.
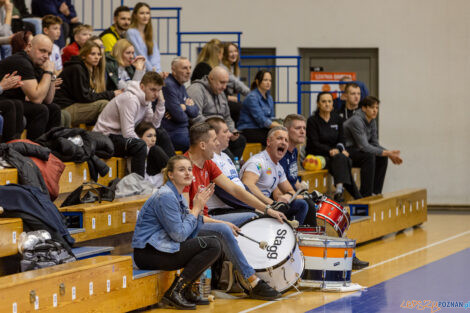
(81, 34)
(51, 26)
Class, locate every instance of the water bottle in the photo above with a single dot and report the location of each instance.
(205, 286)
(237, 164)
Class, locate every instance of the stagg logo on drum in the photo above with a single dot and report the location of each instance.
(272, 250)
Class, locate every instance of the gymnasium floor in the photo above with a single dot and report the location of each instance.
(430, 262)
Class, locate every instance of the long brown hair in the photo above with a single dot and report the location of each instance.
(170, 166)
(210, 53)
(148, 30)
(226, 62)
(97, 80)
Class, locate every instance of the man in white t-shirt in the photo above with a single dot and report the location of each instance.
(223, 205)
(265, 177)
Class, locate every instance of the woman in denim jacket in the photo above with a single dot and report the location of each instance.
(165, 234)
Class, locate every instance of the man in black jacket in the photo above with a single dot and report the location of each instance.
(38, 89)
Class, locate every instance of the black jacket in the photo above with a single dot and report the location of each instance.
(323, 136)
(28, 173)
(76, 85)
(67, 151)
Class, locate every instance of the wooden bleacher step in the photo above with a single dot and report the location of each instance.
(87, 252)
(377, 216)
(250, 150)
(10, 230)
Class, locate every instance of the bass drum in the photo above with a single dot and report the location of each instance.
(281, 264)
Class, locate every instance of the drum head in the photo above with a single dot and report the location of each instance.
(280, 238)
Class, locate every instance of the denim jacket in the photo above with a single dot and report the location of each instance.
(256, 112)
(164, 221)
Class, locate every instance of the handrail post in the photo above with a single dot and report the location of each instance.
(299, 88)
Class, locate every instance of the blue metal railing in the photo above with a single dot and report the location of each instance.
(311, 92)
(202, 38)
(166, 21)
(283, 95)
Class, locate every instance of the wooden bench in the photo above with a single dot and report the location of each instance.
(250, 150)
(377, 216)
(10, 230)
(316, 180)
(106, 218)
(100, 284)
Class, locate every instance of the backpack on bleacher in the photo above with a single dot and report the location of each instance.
(38, 250)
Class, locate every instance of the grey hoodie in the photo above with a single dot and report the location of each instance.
(124, 112)
(209, 103)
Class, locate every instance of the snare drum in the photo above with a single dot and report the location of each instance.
(281, 264)
(334, 217)
(328, 260)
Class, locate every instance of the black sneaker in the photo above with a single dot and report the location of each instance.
(263, 291)
(338, 197)
(358, 264)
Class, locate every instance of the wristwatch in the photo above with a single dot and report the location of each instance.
(49, 72)
(266, 208)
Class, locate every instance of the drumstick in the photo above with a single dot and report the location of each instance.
(293, 223)
(295, 195)
(1, 210)
(262, 245)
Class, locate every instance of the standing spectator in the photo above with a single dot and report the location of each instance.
(208, 94)
(81, 34)
(325, 137)
(121, 116)
(39, 85)
(363, 145)
(352, 95)
(122, 67)
(11, 110)
(140, 34)
(210, 56)
(235, 86)
(51, 26)
(6, 10)
(257, 114)
(179, 106)
(122, 20)
(61, 8)
(83, 94)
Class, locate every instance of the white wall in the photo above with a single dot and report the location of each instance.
(424, 66)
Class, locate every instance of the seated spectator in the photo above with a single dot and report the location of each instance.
(265, 177)
(140, 34)
(39, 85)
(122, 66)
(208, 94)
(11, 110)
(179, 106)
(122, 20)
(63, 9)
(23, 20)
(165, 235)
(51, 26)
(20, 41)
(83, 94)
(81, 34)
(364, 148)
(340, 101)
(121, 116)
(203, 143)
(256, 116)
(235, 86)
(209, 57)
(156, 157)
(325, 137)
(352, 95)
(6, 11)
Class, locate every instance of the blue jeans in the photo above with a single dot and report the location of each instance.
(298, 209)
(36, 21)
(229, 243)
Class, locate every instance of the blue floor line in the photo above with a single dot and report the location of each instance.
(445, 282)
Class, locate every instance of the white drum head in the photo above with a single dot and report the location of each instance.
(280, 239)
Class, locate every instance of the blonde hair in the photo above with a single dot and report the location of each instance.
(119, 48)
(170, 166)
(226, 62)
(148, 30)
(210, 53)
(97, 80)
